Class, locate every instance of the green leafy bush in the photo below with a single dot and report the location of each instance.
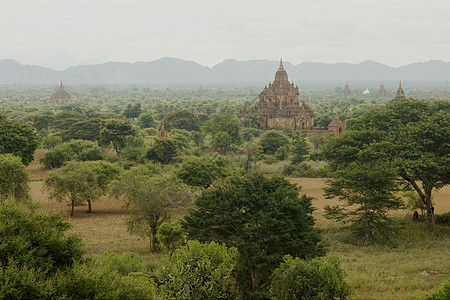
(320, 278)
(125, 264)
(442, 294)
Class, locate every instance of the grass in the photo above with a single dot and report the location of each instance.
(413, 266)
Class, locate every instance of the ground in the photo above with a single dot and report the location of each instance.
(411, 268)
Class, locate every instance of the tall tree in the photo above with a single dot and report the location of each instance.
(264, 218)
(115, 131)
(413, 136)
(14, 178)
(18, 139)
(224, 123)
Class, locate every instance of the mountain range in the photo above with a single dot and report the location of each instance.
(174, 71)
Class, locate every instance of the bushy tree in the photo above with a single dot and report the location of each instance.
(51, 141)
(86, 129)
(272, 140)
(182, 119)
(115, 131)
(171, 236)
(132, 110)
(18, 139)
(14, 179)
(146, 120)
(300, 149)
(199, 271)
(163, 150)
(224, 123)
(151, 196)
(264, 218)
(202, 171)
(222, 141)
(369, 193)
(316, 279)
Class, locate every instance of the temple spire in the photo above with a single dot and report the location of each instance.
(281, 68)
(61, 86)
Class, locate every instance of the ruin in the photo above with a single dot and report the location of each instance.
(61, 96)
(400, 95)
(279, 108)
(382, 93)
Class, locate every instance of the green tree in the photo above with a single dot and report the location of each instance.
(115, 131)
(300, 149)
(272, 140)
(18, 139)
(88, 129)
(181, 119)
(57, 157)
(317, 141)
(51, 141)
(14, 179)
(222, 141)
(317, 279)
(171, 236)
(132, 111)
(146, 120)
(224, 123)
(264, 218)
(43, 121)
(74, 183)
(152, 197)
(163, 150)
(199, 271)
(369, 192)
(65, 119)
(413, 136)
(254, 154)
(202, 171)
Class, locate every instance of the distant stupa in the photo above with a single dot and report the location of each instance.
(382, 93)
(346, 92)
(61, 96)
(400, 95)
(162, 132)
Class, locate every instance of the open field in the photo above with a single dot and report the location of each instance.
(412, 267)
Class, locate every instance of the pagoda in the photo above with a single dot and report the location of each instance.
(162, 132)
(346, 92)
(279, 106)
(400, 95)
(61, 96)
(382, 91)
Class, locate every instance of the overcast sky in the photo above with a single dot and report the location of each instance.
(59, 33)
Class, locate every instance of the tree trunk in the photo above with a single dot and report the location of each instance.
(153, 240)
(430, 210)
(89, 206)
(73, 206)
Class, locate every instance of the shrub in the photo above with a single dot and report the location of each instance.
(199, 271)
(57, 157)
(125, 264)
(442, 218)
(170, 236)
(320, 278)
(14, 178)
(442, 294)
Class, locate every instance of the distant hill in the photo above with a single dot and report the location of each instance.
(174, 71)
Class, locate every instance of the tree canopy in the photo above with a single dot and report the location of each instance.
(14, 178)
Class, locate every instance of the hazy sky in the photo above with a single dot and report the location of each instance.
(59, 33)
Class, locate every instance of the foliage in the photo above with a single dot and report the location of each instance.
(202, 171)
(300, 149)
(317, 141)
(317, 279)
(132, 111)
(36, 240)
(263, 218)
(272, 140)
(305, 170)
(18, 139)
(51, 141)
(224, 123)
(414, 202)
(124, 264)
(14, 178)
(115, 131)
(152, 197)
(133, 153)
(146, 120)
(222, 141)
(442, 294)
(57, 157)
(369, 192)
(170, 236)
(86, 129)
(413, 136)
(163, 150)
(250, 133)
(82, 150)
(199, 271)
(74, 183)
(254, 154)
(43, 121)
(181, 119)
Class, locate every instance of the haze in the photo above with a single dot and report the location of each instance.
(60, 34)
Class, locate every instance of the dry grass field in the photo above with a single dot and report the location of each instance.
(412, 268)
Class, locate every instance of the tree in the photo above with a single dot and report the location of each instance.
(199, 271)
(171, 237)
(57, 157)
(43, 121)
(182, 119)
(317, 279)
(152, 197)
(264, 218)
(14, 178)
(132, 111)
(74, 183)
(202, 171)
(272, 140)
(115, 131)
(300, 150)
(224, 123)
(413, 136)
(369, 192)
(146, 120)
(88, 129)
(317, 141)
(222, 141)
(18, 139)
(51, 141)
(163, 150)
(254, 153)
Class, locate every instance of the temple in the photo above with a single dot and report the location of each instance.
(61, 96)
(400, 95)
(346, 92)
(162, 132)
(279, 107)
(382, 93)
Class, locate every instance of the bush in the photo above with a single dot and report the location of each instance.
(14, 178)
(442, 218)
(199, 271)
(51, 141)
(125, 264)
(170, 236)
(320, 278)
(442, 294)
(57, 157)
